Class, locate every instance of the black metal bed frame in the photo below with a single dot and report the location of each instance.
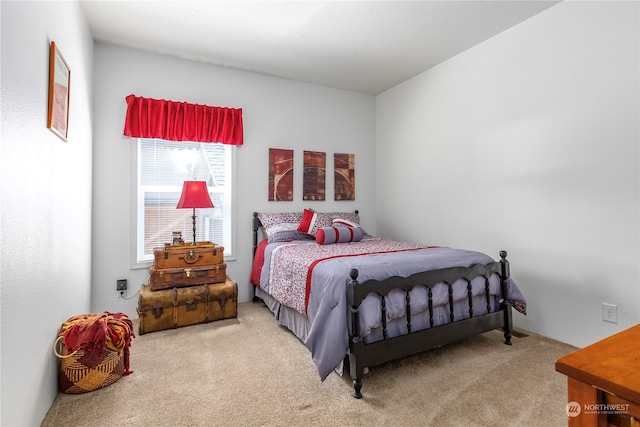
(362, 355)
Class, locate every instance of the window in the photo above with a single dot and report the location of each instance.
(161, 168)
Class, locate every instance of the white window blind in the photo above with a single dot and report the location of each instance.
(162, 167)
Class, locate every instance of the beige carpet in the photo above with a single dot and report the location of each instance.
(250, 371)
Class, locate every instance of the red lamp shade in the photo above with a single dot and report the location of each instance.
(195, 195)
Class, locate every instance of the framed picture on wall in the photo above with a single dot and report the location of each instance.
(314, 175)
(59, 93)
(344, 171)
(280, 174)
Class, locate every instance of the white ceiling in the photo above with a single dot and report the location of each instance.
(362, 46)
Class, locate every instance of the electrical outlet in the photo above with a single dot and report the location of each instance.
(609, 312)
(121, 285)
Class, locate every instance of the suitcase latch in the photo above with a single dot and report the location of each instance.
(191, 305)
(187, 271)
(157, 311)
(191, 254)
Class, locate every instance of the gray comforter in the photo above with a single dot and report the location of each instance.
(327, 309)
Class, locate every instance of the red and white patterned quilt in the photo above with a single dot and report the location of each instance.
(291, 265)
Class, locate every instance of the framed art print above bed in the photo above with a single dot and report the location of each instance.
(314, 175)
(344, 176)
(280, 174)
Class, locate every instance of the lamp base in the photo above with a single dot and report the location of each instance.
(193, 219)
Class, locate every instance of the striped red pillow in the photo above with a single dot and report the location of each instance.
(329, 235)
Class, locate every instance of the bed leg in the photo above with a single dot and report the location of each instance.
(357, 386)
(507, 323)
(504, 305)
(356, 344)
(507, 336)
(255, 298)
(506, 310)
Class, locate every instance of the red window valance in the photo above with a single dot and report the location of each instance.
(181, 121)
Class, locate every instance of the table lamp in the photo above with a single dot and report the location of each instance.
(194, 195)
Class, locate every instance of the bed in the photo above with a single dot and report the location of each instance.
(358, 301)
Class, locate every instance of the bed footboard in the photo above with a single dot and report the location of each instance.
(363, 355)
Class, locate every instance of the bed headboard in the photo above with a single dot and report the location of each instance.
(256, 226)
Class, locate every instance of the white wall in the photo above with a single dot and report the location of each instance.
(277, 113)
(531, 138)
(45, 202)
(529, 143)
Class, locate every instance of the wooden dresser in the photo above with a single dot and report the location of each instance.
(604, 381)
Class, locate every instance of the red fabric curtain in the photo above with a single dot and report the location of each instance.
(180, 121)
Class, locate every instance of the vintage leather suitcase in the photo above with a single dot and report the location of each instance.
(223, 300)
(158, 310)
(203, 253)
(167, 278)
(178, 307)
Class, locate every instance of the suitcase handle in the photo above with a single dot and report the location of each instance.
(191, 258)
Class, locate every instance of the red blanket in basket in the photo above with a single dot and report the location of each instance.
(93, 332)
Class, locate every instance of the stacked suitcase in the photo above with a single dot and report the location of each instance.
(187, 285)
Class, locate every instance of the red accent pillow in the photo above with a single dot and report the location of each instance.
(308, 217)
(312, 221)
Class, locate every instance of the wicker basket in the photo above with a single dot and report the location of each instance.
(82, 372)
